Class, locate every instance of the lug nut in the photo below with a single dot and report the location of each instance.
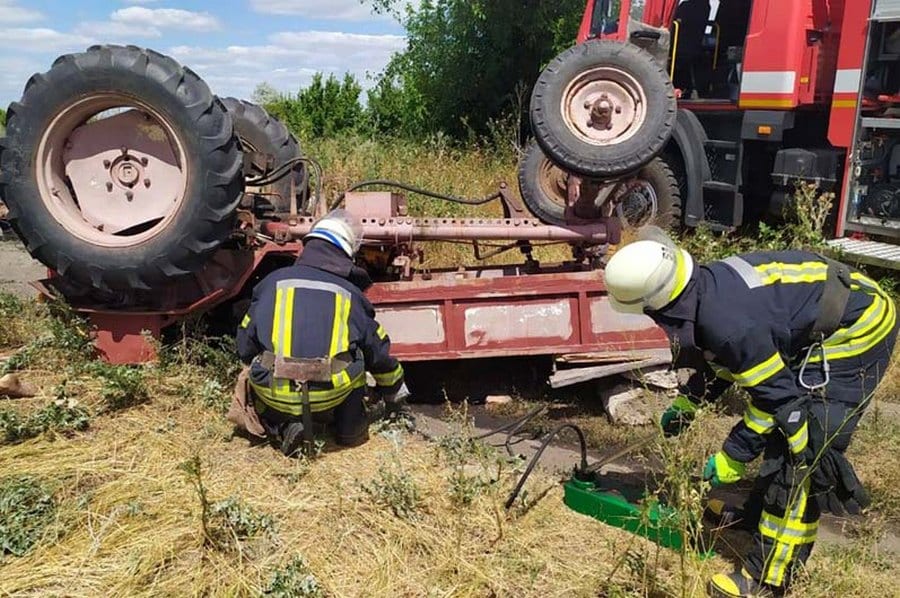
(144, 161)
(147, 183)
(129, 195)
(109, 187)
(588, 104)
(106, 164)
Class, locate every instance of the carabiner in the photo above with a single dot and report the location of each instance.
(826, 369)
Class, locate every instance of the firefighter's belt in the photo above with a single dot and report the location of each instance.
(334, 365)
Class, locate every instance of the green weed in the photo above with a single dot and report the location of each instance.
(395, 489)
(122, 386)
(239, 520)
(27, 508)
(294, 580)
(62, 416)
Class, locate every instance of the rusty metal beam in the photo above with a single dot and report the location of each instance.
(407, 229)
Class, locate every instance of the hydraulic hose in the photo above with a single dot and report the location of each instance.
(537, 456)
(418, 191)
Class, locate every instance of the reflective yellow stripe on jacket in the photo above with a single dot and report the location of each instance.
(761, 372)
(282, 395)
(779, 272)
(875, 323)
(389, 378)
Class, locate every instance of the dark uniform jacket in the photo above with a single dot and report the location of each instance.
(747, 319)
(316, 308)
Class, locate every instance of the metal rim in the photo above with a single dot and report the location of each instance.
(604, 106)
(552, 181)
(638, 205)
(116, 180)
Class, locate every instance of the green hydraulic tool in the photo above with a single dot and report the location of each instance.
(610, 501)
(600, 496)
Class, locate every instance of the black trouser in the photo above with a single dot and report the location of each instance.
(348, 419)
(787, 528)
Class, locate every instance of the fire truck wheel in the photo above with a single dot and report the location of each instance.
(265, 135)
(120, 169)
(603, 108)
(652, 196)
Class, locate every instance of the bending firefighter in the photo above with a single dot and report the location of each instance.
(310, 335)
(809, 339)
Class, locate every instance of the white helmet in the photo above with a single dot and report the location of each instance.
(338, 227)
(647, 275)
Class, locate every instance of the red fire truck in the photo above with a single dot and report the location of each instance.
(772, 91)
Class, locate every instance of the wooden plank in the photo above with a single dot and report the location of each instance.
(602, 357)
(564, 378)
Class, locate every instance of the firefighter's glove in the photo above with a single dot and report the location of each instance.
(677, 417)
(721, 469)
(396, 409)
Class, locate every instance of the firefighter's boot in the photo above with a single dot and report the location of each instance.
(739, 584)
(291, 438)
(725, 516)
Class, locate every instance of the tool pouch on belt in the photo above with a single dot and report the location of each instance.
(242, 413)
(834, 483)
(793, 467)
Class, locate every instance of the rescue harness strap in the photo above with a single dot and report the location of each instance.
(832, 305)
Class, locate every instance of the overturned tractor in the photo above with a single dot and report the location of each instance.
(149, 199)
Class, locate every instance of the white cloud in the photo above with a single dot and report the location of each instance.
(137, 22)
(331, 10)
(115, 31)
(42, 40)
(345, 10)
(175, 18)
(289, 60)
(11, 13)
(139, 1)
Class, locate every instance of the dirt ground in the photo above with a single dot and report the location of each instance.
(17, 268)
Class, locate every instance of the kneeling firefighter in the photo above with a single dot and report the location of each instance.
(809, 339)
(310, 316)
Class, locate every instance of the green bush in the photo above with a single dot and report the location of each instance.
(122, 386)
(294, 580)
(26, 509)
(239, 520)
(395, 489)
(62, 416)
(325, 108)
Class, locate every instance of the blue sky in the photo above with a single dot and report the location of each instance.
(234, 45)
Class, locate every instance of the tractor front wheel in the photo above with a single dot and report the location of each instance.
(120, 169)
(603, 109)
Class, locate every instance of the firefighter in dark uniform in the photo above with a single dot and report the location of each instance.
(809, 339)
(316, 309)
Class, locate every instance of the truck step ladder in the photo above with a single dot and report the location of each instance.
(873, 253)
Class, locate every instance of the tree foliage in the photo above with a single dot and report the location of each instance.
(467, 71)
(325, 108)
(465, 58)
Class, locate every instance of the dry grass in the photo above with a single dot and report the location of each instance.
(129, 520)
(398, 516)
(435, 166)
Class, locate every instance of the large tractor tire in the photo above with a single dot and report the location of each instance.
(120, 169)
(603, 109)
(264, 134)
(651, 196)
